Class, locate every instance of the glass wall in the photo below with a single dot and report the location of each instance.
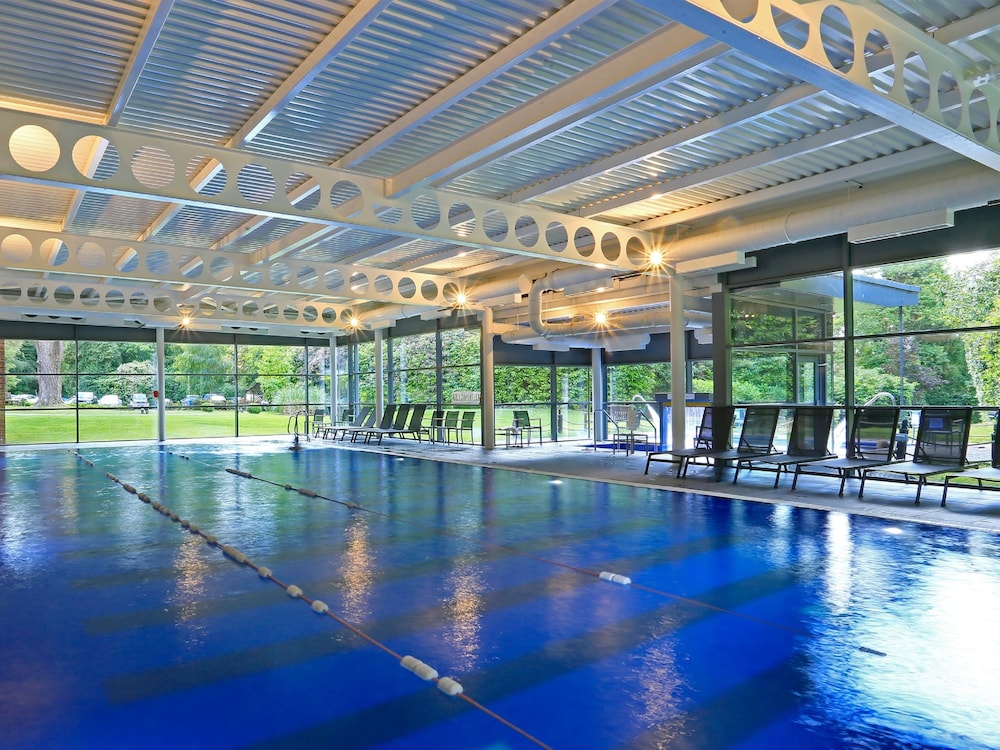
(574, 406)
(41, 393)
(922, 332)
(788, 341)
(87, 390)
(114, 385)
(412, 365)
(440, 369)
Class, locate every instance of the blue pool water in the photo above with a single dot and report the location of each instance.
(746, 625)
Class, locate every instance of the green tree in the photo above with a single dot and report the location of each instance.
(978, 303)
(129, 378)
(936, 364)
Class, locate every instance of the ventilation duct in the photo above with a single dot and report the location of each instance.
(624, 331)
(928, 221)
(501, 290)
(959, 187)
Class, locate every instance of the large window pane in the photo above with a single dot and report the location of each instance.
(201, 382)
(575, 407)
(791, 310)
(460, 346)
(927, 369)
(414, 352)
(928, 295)
(625, 382)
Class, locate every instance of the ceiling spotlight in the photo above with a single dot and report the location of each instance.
(461, 299)
(656, 258)
(185, 321)
(601, 318)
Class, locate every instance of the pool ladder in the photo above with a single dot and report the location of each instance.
(293, 424)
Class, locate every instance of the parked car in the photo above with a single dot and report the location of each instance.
(138, 401)
(214, 398)
(190, 400)
(23, 399)
(109, 399)
(86, 397)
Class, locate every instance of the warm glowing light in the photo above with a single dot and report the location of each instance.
(354, 322)
(601, 318)
(656, 258)
(461, 299)
(185, 321)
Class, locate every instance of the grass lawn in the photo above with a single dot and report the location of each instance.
(29, 425)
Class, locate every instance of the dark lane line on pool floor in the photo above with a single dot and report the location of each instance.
(445, 684)
(610, 576)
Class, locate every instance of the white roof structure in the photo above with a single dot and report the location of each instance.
(305, 166)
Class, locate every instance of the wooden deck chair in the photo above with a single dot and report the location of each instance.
(808, 440)
(714, 433)
(990, 474)
(871, 443)
(942, 445)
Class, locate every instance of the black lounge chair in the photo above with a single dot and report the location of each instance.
(397, 425)
(941, 446)
(365, 418)
(808, 440)
(981, 474)
(385, 423)
(415, 425)
(714, 433)
(756, 440)
(872, 443)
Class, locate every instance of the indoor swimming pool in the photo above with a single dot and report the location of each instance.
(243, 595)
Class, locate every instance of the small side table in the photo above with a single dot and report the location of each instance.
(629, 440)
(514, 437)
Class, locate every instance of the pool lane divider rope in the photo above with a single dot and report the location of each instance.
(608, 576)
(447, 685)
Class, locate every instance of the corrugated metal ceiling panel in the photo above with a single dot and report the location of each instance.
(215, 65)
(74, 59)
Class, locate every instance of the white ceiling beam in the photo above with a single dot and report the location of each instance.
(146, 41)
(530, 231)
(963, 30)
(354, 22)
(346, 31)
(758, 36)
(710, 126)
(559, 24)
(113, 259)
(784, 152)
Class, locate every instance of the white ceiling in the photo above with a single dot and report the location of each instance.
(290, 164)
